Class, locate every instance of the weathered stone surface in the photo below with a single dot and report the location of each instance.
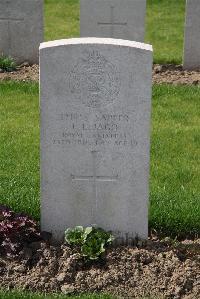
(123, 19)
(192, 35)
(95, 119)
(21, 29)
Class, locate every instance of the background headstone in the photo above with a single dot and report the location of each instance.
(95, 126)
(21, 29)
(192, 35)
(124, 19)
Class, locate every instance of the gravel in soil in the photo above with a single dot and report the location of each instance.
(172, 74)
(158, 268)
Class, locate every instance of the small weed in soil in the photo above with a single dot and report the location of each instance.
(7, 63)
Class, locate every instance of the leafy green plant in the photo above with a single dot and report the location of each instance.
(77, 236)
(7, 63)
(96, 242)
(92, 241)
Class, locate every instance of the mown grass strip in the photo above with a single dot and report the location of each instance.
(30, 295)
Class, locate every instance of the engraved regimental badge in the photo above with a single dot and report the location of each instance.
(94, 81)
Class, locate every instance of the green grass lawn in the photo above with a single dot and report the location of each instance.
(175, 155)
(19, 149)
(175, 160)
(164, 25)
(165, 29)
(27, 295)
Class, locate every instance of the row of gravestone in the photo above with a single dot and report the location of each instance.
(21, 25)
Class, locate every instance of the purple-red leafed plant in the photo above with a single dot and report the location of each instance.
(16, 230)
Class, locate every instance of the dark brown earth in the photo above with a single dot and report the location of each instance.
(160, 268)
(23, 73)
(172, 74)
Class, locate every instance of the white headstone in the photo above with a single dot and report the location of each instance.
(95, 131)
(123, 19)
(192, 35)
(21, 29)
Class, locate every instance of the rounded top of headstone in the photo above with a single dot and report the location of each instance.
(95, 40)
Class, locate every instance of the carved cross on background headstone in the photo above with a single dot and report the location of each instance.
(10, 22)
(94, 178)
(112, 22)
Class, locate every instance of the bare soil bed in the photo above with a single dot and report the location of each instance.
(172, 74)
(159, 268)
(23, 73)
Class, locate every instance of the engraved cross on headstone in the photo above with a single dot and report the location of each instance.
(10, 22)
(94, 178)
(112, 22)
